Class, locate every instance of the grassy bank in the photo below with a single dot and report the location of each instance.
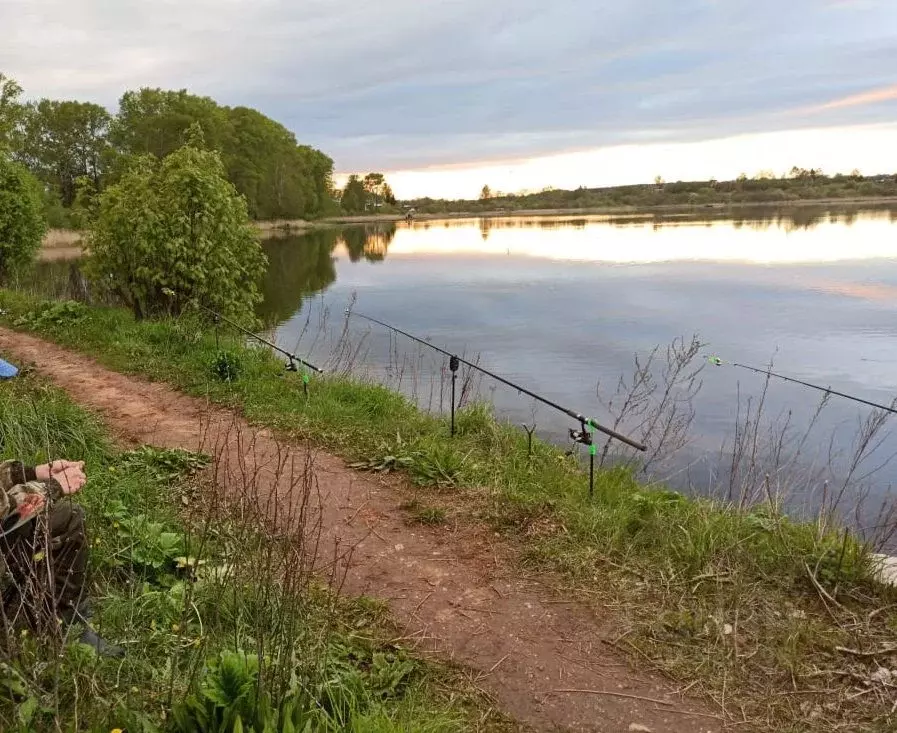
(223, 631)
(779, 622)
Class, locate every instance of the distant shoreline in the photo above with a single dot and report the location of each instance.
(62, 244)
(612, 210)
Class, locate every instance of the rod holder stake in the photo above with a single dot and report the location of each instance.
(454, 363)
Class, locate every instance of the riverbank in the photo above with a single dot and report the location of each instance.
(776, 621)
(201, 623)
(647, 211)
(64, 244)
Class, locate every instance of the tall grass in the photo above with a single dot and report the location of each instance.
(733, 597)
(215, 597)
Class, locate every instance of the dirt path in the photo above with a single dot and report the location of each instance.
(456, 592)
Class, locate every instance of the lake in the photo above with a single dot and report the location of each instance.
(562, 305)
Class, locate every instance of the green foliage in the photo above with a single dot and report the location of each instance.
(228, 698)
(354, 197)
(63, 141)
(53, 314)
(11, 113)
(371, 193)
(22, 224)
(429, 462)
(155, 122)
(278, 178)
(176, 225)
(227, 366)
(164, 464)
(149, 547)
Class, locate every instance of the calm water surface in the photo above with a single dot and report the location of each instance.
(562, 305)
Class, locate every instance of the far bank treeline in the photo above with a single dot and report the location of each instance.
(76, 149)
(798, 184)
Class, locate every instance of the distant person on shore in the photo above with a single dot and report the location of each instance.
(43, 549)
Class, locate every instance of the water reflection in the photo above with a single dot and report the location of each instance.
(758, 218)
(801, 236)
(296, 269)
(302, 266)
(369, 242)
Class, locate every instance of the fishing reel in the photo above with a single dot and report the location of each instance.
(290, 366)
(583, 437)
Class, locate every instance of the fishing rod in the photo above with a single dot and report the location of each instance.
(583, 436)
(291, 364)
(716, 361)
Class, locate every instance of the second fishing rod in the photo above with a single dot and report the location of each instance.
(587, 424)
(291, 358)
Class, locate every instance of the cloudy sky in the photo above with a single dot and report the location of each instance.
(450, 94)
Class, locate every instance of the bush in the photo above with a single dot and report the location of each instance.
(53, 314)
(174, 231)
(22, 224)
(227, 366)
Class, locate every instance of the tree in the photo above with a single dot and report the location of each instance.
(354, 196)
(22, 224)
(486, 193)
(63, 141)
(177, 226)
(11, 112)
(658, 181)
(279, 179)
(156, 121)
(377, 190)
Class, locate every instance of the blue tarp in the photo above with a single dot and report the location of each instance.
(7, 370)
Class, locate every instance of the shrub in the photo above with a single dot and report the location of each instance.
(22, 223)
(174, 231)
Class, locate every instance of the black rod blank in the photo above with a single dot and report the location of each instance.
(827, 390)
(587, 421)
(291, 357)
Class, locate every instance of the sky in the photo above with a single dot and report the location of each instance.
(448, 95)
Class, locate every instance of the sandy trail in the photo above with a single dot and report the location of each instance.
(456, 592)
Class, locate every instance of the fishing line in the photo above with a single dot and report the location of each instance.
(716, 361)
(291, 366)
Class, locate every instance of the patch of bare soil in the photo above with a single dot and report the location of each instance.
(544, 659)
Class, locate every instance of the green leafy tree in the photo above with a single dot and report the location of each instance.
(268, 168)
(354, 195)
(486, 193)
(63, 141)
(320, 167)
(11, 112)
(22, 224)
(362, 194)
(373, 188)
(156, 121)
(176, 230)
